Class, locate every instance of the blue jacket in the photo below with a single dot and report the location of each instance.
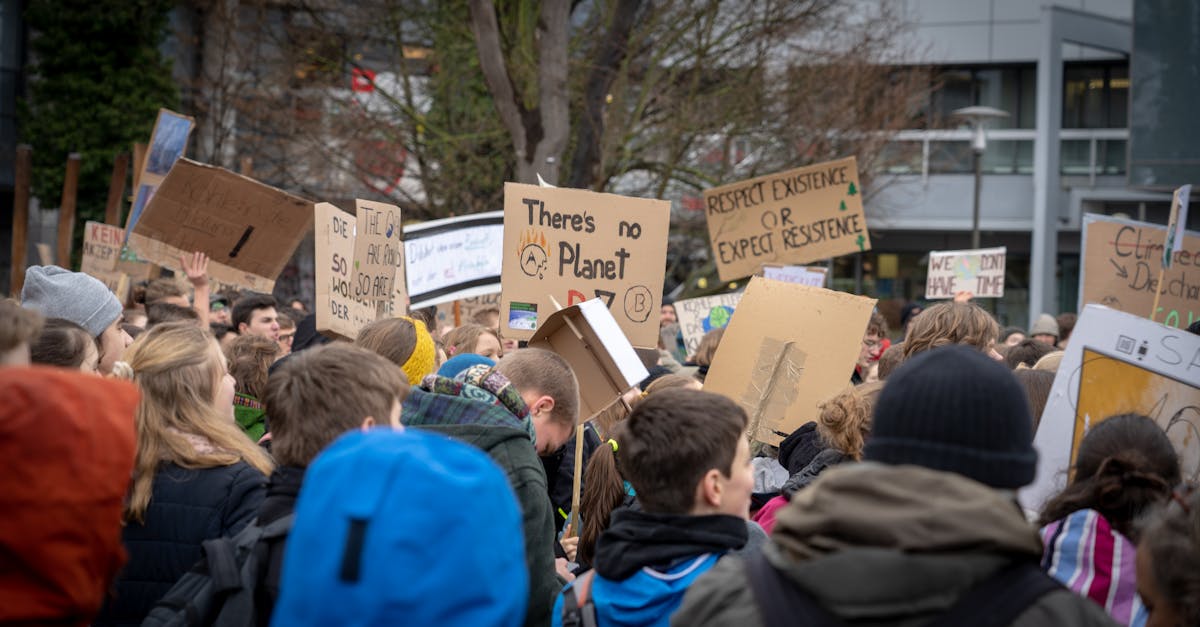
(647, 598)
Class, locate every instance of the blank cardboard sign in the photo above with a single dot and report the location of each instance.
(605, 363)
(789, 348)
(248, 230)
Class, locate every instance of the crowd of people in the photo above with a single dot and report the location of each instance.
(212, 459)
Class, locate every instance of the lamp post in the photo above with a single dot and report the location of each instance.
(978, 117)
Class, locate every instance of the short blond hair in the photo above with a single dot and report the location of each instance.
(950, 323)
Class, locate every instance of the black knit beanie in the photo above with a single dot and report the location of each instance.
(954, 409)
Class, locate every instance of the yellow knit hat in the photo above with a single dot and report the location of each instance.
(424, 355)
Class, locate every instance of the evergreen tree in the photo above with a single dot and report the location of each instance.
(96, 83)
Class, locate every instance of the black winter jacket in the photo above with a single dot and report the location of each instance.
(187, 506)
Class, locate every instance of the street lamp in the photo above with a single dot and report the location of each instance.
(978, 117)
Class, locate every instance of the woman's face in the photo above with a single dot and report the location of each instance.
(226, 386)
(488, 346)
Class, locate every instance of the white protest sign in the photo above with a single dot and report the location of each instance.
(804, 275)
(454, 258)
(1118, 363)
(980, 272)
(698, 316)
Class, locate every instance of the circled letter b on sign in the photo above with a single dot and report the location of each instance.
(639, 302)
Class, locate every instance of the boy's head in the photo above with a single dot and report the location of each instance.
(19, 327)
(165, 290)
(318, 394)
(548, 386)
(164, 311)
(685, 452)
(256, 313)
(949, 323)
(59, 293)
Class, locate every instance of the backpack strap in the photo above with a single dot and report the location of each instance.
(223, 568)
(1001, 598)
(780, 601)
(578, 609)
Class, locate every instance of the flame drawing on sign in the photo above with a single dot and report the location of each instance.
(533, 255)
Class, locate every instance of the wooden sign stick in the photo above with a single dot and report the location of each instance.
(66, 211)
(116, 185)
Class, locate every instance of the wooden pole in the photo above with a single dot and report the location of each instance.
(20, 227)
(457, 314)
(1157, 292)
(66, 211)
(116, 189)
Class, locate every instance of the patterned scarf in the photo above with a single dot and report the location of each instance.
(481, 383)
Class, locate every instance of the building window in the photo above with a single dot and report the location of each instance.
(1096, 95)
(1010, 88)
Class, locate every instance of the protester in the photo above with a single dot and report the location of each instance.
(908, 313)
(874, 343)
(488, 318)
(225, 335)
(1037, 384)
(843, 425)
(298, 306)
(360, 553)
(307, 335)
(705, 352)
(287, 330)
(1066, 324)
(250, 358)
(165, 290)
(1027, 353)
(314, 397)
(218, 310)
(926, 528)
(889, 361)
(196, 475)
(136, 317)
(161, 312)
(256, 314)
(403, 341)
(1011, 336)
(1125, 466)
(455, 365)
(512, 422)
(667, 314)
(68, 446)
(19, 327)
(1045, 329)
(64, 344)
(949, 323)
(58, 293)
(684, 453)
(1168, 582)
(473, 338)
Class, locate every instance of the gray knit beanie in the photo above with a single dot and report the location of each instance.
(75, 296)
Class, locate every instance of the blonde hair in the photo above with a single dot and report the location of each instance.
(464, 339)
(178, 367)
(949, 323)
(845, 419)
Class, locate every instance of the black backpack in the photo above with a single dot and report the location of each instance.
(221, 589)
(995, 602)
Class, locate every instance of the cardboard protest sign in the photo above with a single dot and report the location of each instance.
(339, 311)
(454, 258)
(168, 142)
(804, 275)
(1176, 223)
(1121, 264)
(377, 246)
(792, 217)
(788, 348)
(698, 316)
(1118, 363)
(590, 339)
(248, 230)
(101, 247)
(467, 308)
(980, 272)
(574, 245)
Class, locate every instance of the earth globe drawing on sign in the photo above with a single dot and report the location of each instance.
(717, 318)
(966, 269)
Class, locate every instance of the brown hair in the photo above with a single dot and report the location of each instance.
(890, 360)
(158, 313)
(1066, 324)
(320, 393)
(707, 349)
(162, 288)
(482, 316)
(877, 324)
(61, 343)
(18, 325)
(1125, 465)
(250, 357)
(1027, 352)
(546, 373)
(178, 368)
(949, 323)
(464, 339)
(1037, 384)
(1172, 540)
(393, 338)
(845, 419)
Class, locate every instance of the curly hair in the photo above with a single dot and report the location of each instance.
(949, 323)
(845, 419)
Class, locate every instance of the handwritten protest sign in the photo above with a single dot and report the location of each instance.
(377, 245)
(698, 316)
(788, 348)
(102, 259)
(248, 230)
(1118, 363)
(168, 142)
(804, 275)
(793, 217)
(339, 311)
(454, 258)
(467, 308)
(1121, 264)
(574, 245)
(980, 272)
